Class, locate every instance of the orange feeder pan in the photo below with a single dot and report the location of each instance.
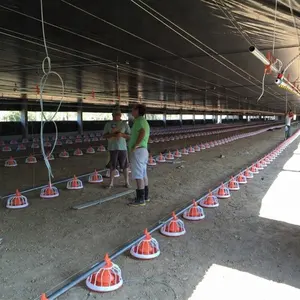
(194, 213)
(107, 279)
(147, 248)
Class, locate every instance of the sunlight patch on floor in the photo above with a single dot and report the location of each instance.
(281, 202)
(222, 282)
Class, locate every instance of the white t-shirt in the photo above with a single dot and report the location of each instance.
(288, 120)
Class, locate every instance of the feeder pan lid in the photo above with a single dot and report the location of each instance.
(74, 184)
(233, 185)
(194, 213)
(17, 201)
(31, 160)
(117, 173)
(147, 248)
(49, 192)
(10, 163)
(96, 177)
(223, 192)
(173, 228)
(210, 201)
(107, 279)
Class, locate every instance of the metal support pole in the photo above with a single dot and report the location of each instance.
(96, 202)
(24, 107)
(79, 100)
(24, 116)
(79, 117)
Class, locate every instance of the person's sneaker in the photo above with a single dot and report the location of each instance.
(147, 200)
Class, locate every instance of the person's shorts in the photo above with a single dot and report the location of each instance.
(139, 160)
(118, 157)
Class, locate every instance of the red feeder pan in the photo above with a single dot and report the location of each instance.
(147, 248)
(107, 279)
(195, 213)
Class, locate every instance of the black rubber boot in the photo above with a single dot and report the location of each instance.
(147, 199)
(140, 198)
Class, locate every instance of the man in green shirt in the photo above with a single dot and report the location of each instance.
(116, 132)
(137, 145)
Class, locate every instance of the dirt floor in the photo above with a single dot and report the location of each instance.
(48, 242)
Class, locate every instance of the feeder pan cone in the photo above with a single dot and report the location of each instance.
(191, 149)
(6, 149)
(241, 179)
(151, 161)
(35, 146)
(254, 170)
(96, 177)
(13, 142)
(31, 159)
(185, 151)
(74, 184)
(78, 152)
(10, 163)
(49, 192)
(177, 154)
(202, 147)
(17, 201)
(90, 150)
(107, 279)
(223, 192)
(233, 185)
(197, 148)
(50, 156)
(259, 166)
(101, 148)
(248, 174)
(169, 156)
(21, 147)
(107, 174)
(263, 163)
(147, 248)
(64, 154)
(173, 228)
(195, 213)
(210, 201)
(161, 158)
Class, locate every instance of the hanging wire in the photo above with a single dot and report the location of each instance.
(46, 68)
(295, 26)
(163, 66)
(263, 87)
(274, 28)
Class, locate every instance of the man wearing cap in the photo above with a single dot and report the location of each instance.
(117, 132)
(138, 145)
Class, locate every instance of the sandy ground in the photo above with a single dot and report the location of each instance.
(46, 243)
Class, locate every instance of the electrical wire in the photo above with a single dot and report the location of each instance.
(263, 87)
(295, 26)
(195, 39)
(46, 68)
(274, 28)
(163, 66)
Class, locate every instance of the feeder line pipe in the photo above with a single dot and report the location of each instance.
(101, 171)
(53, 183)
(128, 245)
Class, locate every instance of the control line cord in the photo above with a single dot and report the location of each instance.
(46, 68)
